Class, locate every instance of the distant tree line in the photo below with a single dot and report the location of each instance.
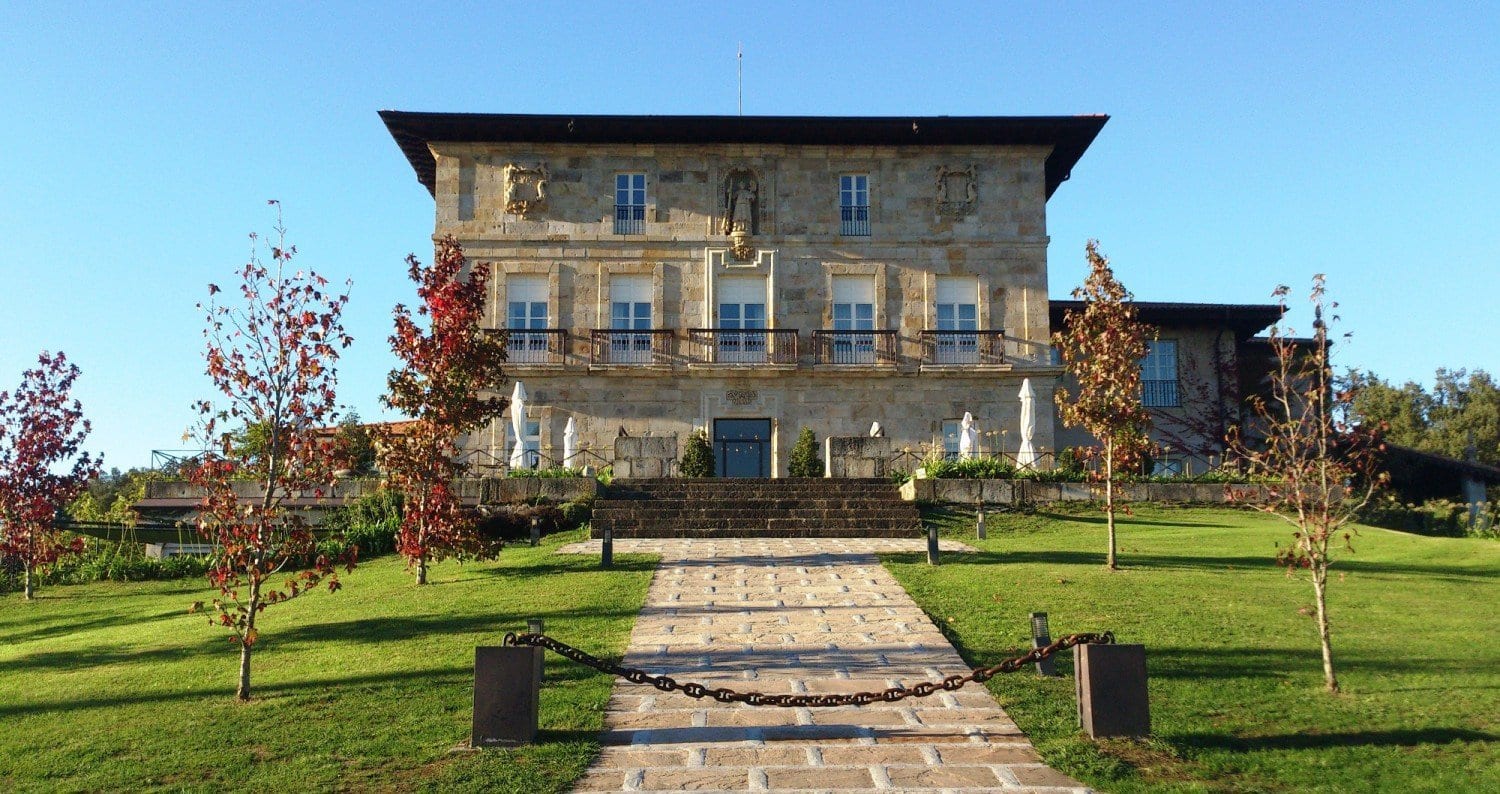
(1460, 406)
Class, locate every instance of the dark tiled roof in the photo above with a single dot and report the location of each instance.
(1069, 136)
(1244, 318)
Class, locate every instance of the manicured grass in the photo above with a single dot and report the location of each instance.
(115, 687)
(1235, 677)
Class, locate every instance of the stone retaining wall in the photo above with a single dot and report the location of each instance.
(489, 490)
(1017, 491)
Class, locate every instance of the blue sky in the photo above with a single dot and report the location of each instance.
(1250, 145)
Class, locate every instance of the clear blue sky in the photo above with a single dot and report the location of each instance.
(1251, 144)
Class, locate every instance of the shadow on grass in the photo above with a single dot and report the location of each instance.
(570, 564)
(1320, 741)
(96, 620)
(1129, 560)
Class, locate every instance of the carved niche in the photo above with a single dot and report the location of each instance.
(740, 210)
(525, 188)
(957, 190)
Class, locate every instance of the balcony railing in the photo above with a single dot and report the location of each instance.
(538, 346)
(736, 347)
(868, 348)
(630, 218)
(631, 347)
(963, 348)
(854, 221)
(1159, 394)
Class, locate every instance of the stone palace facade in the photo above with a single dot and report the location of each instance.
(752, 276)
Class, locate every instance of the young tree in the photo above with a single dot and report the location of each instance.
(1102, 347)
(271, 356)
(1325, 469)
(41, 467)
(804, 460)
(445, 367)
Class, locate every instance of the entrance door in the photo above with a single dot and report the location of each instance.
(742, 447)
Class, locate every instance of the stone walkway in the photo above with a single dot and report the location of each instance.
(799, 616)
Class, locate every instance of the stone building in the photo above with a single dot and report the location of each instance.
(752, 276)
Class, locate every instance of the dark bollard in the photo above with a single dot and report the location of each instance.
(1041, 637)
(536, 532)
(507, 681)
(979, 524)
(932, 545)
(607, 550)
(1111, 684)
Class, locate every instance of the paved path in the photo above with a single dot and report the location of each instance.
(799, 616)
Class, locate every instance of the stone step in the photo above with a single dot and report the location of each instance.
(708, 514)
(769, 532)
(756, 504)
(743, 508)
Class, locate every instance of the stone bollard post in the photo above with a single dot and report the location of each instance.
(979, 524)
(536, 626)
(1111, 686)
(607, 549)
(536, 531)
(507, 683)
(932, 544)
(1041, 637)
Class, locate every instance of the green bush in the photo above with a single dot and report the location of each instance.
(971, 469)
(1439, 517)
(804, 459)
(369, 522)
(576, 514)
(698, 456)
(114, 561)
(552, 473)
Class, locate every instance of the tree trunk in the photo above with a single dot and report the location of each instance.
(28, 586)
(422, 568)
(1320, 590)
(247, 643)
(1109, 501)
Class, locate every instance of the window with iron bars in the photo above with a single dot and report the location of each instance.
(630, 203)
(1159, 374)
(854, 205)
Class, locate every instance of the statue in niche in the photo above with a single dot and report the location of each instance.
(957, 190)
(525, 188)
(741, 210)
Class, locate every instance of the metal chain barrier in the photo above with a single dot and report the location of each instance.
(723, 695)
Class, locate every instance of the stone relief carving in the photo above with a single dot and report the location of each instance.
(525, 188)
(741, 210)
(741, 396)
(957, 190)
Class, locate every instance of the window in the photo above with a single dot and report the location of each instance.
(526, 319)
(630, 310)
(630, 203)
(531, 443)
(854, 205)
(952, 430)
(742, 306)
(1159, 374)
(853, 310)
(957, 313)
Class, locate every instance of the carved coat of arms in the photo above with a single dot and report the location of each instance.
(525, 188)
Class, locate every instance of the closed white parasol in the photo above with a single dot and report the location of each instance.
(1026, 456)
(968, 437)
(518, 426)
(570, 442)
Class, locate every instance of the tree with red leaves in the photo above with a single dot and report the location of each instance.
(1323, 468)
(41, 430)
(271, 357)
(446, 367)
(1102, 347)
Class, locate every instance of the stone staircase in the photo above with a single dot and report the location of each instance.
(750, 508)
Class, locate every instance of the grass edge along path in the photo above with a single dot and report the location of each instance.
(112, 686)
(1232, 653)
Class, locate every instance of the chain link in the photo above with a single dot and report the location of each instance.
(723, 695)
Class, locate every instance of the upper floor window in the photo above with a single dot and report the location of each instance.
(1159, 374)
(853, 303)
(526, 318)
(854, 205)
(956, 311)
(630, 203)
(630, 310)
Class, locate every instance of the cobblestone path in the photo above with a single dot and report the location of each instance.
(799, 616)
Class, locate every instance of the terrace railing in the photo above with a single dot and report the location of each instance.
(985, 348)
(855, 348)
(610, 347)
(742, 347)
(547, 346)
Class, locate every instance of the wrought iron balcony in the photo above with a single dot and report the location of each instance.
(855, 348)
(1159, 394)
(742, 347)
(630, 218)
(631, 348)
(854, 221)
(542, 346)
(963, 348)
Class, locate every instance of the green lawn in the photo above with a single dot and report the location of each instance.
(116, 687)
(1236, 683)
